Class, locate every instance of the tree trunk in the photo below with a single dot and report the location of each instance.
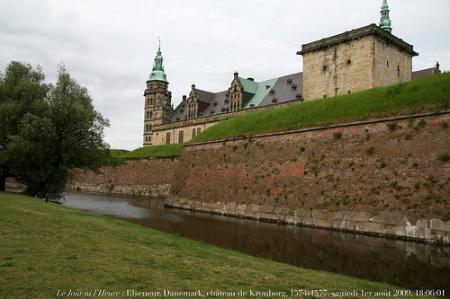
(2, 182)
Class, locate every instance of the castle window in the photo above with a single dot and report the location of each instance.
(324, 68)
(289, 81)
(349, 62)
(324, 96)
(349, 92)
(387, 63)
(293, 87)
(199, 130)
(168, 138)
(398, 70)
(274, 100)
(180, 136)
(193, 132)
(272, 91)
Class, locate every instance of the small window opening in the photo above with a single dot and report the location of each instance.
(324, 68)
(324, 96)
(349, 62)
(349, 92)
(387, 63)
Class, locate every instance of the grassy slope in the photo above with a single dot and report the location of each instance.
(157, 151)
(425, 94)
(45, 247)
(117, 153)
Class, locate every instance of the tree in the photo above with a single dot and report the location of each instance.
(66, 135)
(22, 91)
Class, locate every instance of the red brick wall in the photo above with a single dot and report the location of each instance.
(396, 165)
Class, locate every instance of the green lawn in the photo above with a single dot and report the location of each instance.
(156, 151)
(421, 95)
(46, 248)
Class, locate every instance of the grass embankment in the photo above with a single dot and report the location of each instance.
(46, 248)
(156, 151)
(421, 95)
(117, 153)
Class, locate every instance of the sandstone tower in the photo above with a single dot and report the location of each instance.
(158, 99)
(356, 60)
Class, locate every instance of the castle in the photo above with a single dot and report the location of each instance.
(353, 61)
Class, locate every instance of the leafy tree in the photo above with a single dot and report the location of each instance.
(22, 91)
(66, 134)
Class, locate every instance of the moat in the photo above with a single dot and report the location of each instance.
(408, 264)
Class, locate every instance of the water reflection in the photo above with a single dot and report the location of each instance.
(408, 264)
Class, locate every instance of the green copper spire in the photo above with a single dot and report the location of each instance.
(158, 73)
(385, 22)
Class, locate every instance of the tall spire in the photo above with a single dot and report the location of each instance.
(158, 73)
(385, 22)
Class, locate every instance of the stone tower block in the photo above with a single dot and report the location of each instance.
(356, 60)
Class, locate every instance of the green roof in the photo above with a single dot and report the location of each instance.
(249, 86)
(260, 92)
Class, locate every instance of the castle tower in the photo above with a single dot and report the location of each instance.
(356, 60)
(385, 22)
(158, 99)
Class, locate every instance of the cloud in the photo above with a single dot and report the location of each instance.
(109, 46)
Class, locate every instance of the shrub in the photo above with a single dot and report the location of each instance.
(337, 135)
(444, 158)
(392, 126)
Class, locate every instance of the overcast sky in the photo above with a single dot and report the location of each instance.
(109, 46)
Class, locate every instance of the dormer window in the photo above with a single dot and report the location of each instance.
(289, 81)
(272, 91)
(294, 87)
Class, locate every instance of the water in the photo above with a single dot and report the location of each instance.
(407, 264)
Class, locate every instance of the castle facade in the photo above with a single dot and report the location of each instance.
(353, 61)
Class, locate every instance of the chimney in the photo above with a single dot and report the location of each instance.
(437, 69)
(236, 75)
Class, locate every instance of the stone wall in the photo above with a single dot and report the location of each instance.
(152, 178)
(339, 69)
(384, 223)
(391, 65)
(388, 177)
